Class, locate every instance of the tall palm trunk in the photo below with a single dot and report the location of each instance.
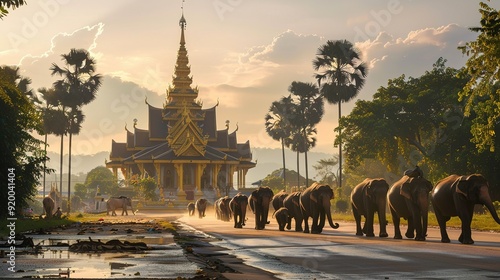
(61, 169)
(69, 168)
(340, 146)
(298, 170)
(284, 167)
(44, 164)
(305, 159)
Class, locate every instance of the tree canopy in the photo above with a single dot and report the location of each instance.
(411, 121)
(22, 158)
(482, 91)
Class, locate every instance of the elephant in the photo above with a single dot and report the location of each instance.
(259, 201)
(456, 196)
(123, 202)
(238, 207)
(292, 203)
(191, 208)
(315, 203)
(277, 200)
(281, 216)
(408, 198)
(222, 209)
(48, 206)
(201, 206)
(367, 198)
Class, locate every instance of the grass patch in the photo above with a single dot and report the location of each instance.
(479, 221)
(35, 223)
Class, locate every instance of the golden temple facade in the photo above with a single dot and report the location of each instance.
(182, 148)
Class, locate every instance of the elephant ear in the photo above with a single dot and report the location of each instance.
(406, 188)
(314, 197)
(368, 189)
(461, 185)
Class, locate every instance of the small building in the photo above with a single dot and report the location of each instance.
(181, 147)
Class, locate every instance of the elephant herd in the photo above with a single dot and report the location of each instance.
(313, 202)
(407, 198)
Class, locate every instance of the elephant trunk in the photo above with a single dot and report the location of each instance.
(484, 197)
(329, 217)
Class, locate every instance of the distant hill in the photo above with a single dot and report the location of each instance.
(268, 160)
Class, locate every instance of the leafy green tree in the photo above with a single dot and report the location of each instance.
(341, 76)
(325, 171)
(307, 114)
(7, 4)
(147, 188)
(412, 121)
(78, 86)
(22, 158)
(278, 124)
(82, 191)
(104, 179)
(482, 91)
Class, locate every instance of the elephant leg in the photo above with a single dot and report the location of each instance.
(466, 235)
(382, 224)
(442, 225)
(306, 224)
(368, 228)
(289, 223)
(357, 217)
(396, 220)
(410, 232)
(315, 224)
(298, 224)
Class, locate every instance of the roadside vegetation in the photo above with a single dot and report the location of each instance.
(36, 224)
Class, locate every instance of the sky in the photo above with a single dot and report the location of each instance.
(243, 53)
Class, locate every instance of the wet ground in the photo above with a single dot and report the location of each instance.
(164, 259)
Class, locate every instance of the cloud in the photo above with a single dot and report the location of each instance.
(36, 66)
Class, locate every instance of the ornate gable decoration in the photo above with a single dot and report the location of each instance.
(185, 137)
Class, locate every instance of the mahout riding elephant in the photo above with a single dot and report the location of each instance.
(201, 207)
(315, 203)
(48, 206)
(292, 203)
(259, 201)
(123, 202)
(368, 197)
(456, 196)
(277, 200)
(238, 206)
(281, 216)
(191, 208)
(408, 198)
(222, 208)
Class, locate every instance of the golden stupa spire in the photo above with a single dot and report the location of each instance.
(181, 89)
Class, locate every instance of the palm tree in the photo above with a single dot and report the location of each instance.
(278, 124)
(55, 121)
(309, 111)
(341, 76)
(79, 83)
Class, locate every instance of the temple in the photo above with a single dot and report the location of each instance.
(182, 148)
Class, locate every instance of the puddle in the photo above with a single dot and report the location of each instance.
(165, 260)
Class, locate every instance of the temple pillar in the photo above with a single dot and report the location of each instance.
(197, 176)
(215, 174)
(180, 176)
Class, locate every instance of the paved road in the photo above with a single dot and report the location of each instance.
(339, 254)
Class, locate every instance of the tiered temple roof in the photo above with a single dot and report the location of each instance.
(181, 131)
